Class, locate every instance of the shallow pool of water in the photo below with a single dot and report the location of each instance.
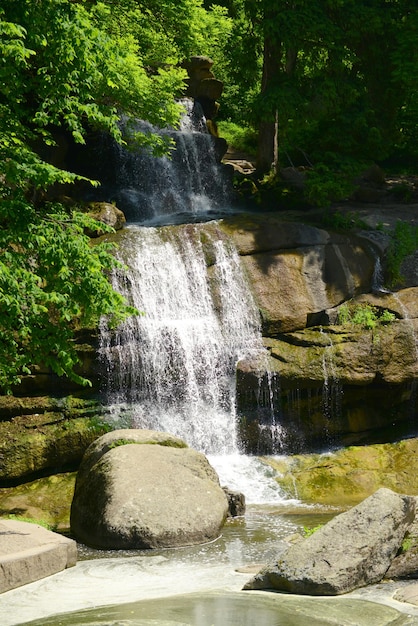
(257, 537)
(238, 609)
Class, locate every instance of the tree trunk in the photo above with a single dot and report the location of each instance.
(267, 151)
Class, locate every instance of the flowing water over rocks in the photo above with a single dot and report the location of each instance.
(185, 186)
(173, 368)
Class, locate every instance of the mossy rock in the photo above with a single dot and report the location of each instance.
(46, 501)
(44, 443)
(349, 475)
(70, 406)
(351, 354)
(122, 437)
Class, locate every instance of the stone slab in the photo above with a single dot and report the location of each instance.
(408, 594)
(29, 552)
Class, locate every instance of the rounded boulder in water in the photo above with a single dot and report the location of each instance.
(140, 496)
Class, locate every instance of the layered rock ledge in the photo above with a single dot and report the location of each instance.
(29, 552)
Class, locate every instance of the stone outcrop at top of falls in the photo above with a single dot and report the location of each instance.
(135, 490)
(353, 550)
(204, 87)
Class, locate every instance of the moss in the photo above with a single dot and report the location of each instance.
(31, 520)
(49, 442)
(169, 443)
(122, 442)
(349, 475)
(45, 501)
(70, 406)
(307, 531)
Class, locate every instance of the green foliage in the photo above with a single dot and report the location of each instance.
(212, 31)
(410, 542)
(407, 544)
(52, 280)
(347, 220)
(403, 243)
(363, 315)
(168, 31)
(65, 69)
(239, 137)
(307, 531)
(341, 76)
(325, 185)
(387, 317)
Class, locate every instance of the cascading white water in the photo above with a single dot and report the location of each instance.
(173, 368)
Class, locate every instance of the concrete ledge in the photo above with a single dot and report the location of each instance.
(29, 552)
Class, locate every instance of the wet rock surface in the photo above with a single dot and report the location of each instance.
(345, 477)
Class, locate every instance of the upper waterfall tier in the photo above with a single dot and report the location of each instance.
(188, 185)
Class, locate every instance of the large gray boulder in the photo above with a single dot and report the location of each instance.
(146, 495)
(353, 550)
(120, 437)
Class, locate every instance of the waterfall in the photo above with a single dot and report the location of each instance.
(187, 185)
(272, 434)
(173, 368)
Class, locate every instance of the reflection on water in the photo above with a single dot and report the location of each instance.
(237, 609)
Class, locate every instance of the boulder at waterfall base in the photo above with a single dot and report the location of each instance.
(353, 550)
(146, 495)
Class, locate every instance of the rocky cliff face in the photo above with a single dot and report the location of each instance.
(320, 382)
(327, 379)
(297, 271)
